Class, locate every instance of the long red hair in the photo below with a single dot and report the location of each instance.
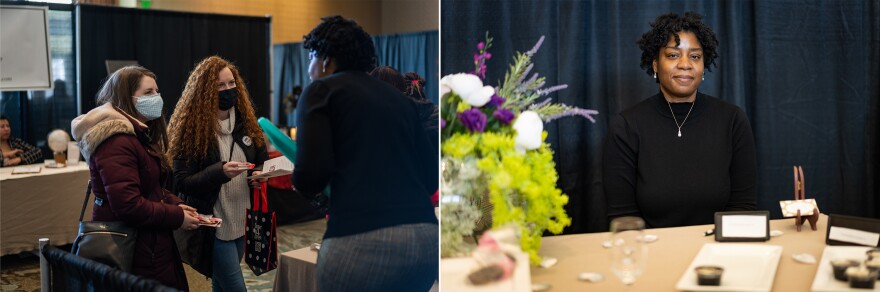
(193, 127)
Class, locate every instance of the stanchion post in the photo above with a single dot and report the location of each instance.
(45, 276)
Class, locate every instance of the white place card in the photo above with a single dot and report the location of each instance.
(72, 153)
(790, 207)
(744, 226)
(853, 236)
(277, 166)
(26, 169)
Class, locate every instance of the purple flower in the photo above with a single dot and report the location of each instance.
(504, 115)
(481, 45)
(473, 119)
(496, 100)
(442, 123)
(487, 55)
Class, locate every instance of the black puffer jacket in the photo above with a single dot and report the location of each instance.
(197, 181)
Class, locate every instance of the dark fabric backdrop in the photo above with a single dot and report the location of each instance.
(411, 52)
(807, 73)
(171, 44)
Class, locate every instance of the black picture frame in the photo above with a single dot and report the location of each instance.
(851, 222)
(719, 217)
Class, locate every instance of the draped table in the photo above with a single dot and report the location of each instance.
(670, 256)
(44, 204)
(296, 271)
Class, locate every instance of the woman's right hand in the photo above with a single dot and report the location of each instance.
(12, 153)
(234, 168)
(190, 222)
(13, 161)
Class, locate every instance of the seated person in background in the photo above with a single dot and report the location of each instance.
(16, 151)
(679, 156)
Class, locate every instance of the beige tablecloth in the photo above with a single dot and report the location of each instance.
(46, 204)
(296, 271)
(669, 257)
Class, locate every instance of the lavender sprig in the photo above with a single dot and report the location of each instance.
(574, 111)
(536, 47)
(525, 85)
(540, 104)
(524, 74)
(543, 92)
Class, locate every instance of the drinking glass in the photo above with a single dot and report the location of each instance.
(628, 250)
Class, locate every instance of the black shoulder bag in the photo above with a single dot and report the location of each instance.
(111, 243)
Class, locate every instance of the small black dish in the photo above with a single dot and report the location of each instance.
(709, 275)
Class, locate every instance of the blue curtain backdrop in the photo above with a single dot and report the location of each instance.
(807, 73)
(411, 52)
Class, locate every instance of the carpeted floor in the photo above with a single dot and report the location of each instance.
(21, 272)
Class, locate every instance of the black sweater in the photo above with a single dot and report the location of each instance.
(364, 139)
(650, 172)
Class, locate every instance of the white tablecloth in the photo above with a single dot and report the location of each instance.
(45, 204)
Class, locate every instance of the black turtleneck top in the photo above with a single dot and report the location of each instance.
(651, 172)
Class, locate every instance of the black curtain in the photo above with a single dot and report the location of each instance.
(171, 44)
(807, 73)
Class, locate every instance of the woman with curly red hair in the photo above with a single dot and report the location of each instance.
(214, 137)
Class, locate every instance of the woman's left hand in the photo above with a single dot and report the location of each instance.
(13, 161)
(255, 183)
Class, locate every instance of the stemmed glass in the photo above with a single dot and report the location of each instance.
(628, 250)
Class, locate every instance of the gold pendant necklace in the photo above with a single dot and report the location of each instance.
(685, 117)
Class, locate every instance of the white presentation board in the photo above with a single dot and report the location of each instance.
(24, 48)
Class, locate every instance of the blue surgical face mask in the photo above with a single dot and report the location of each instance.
(149, 106)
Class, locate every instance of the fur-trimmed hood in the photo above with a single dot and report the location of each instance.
(100, 123)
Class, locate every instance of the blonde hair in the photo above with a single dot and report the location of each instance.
(193, 127)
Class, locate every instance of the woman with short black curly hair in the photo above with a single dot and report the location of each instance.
(679, 156)
(362, 138)
(669, 25)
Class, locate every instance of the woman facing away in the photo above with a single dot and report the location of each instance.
(679, 156)
(124, 141)
(362, 138)
(214, 137)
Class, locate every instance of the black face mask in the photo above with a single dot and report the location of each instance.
(228, 98)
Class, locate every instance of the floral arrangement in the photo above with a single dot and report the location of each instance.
(496, 168)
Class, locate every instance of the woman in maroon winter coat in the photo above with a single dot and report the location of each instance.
(124, 142)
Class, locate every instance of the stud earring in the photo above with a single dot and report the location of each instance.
(655, 75)
(703, 78)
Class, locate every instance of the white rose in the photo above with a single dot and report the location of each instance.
(444, 85)
(480, 97)
(529, 128)
(469, 87)
(463, 84)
